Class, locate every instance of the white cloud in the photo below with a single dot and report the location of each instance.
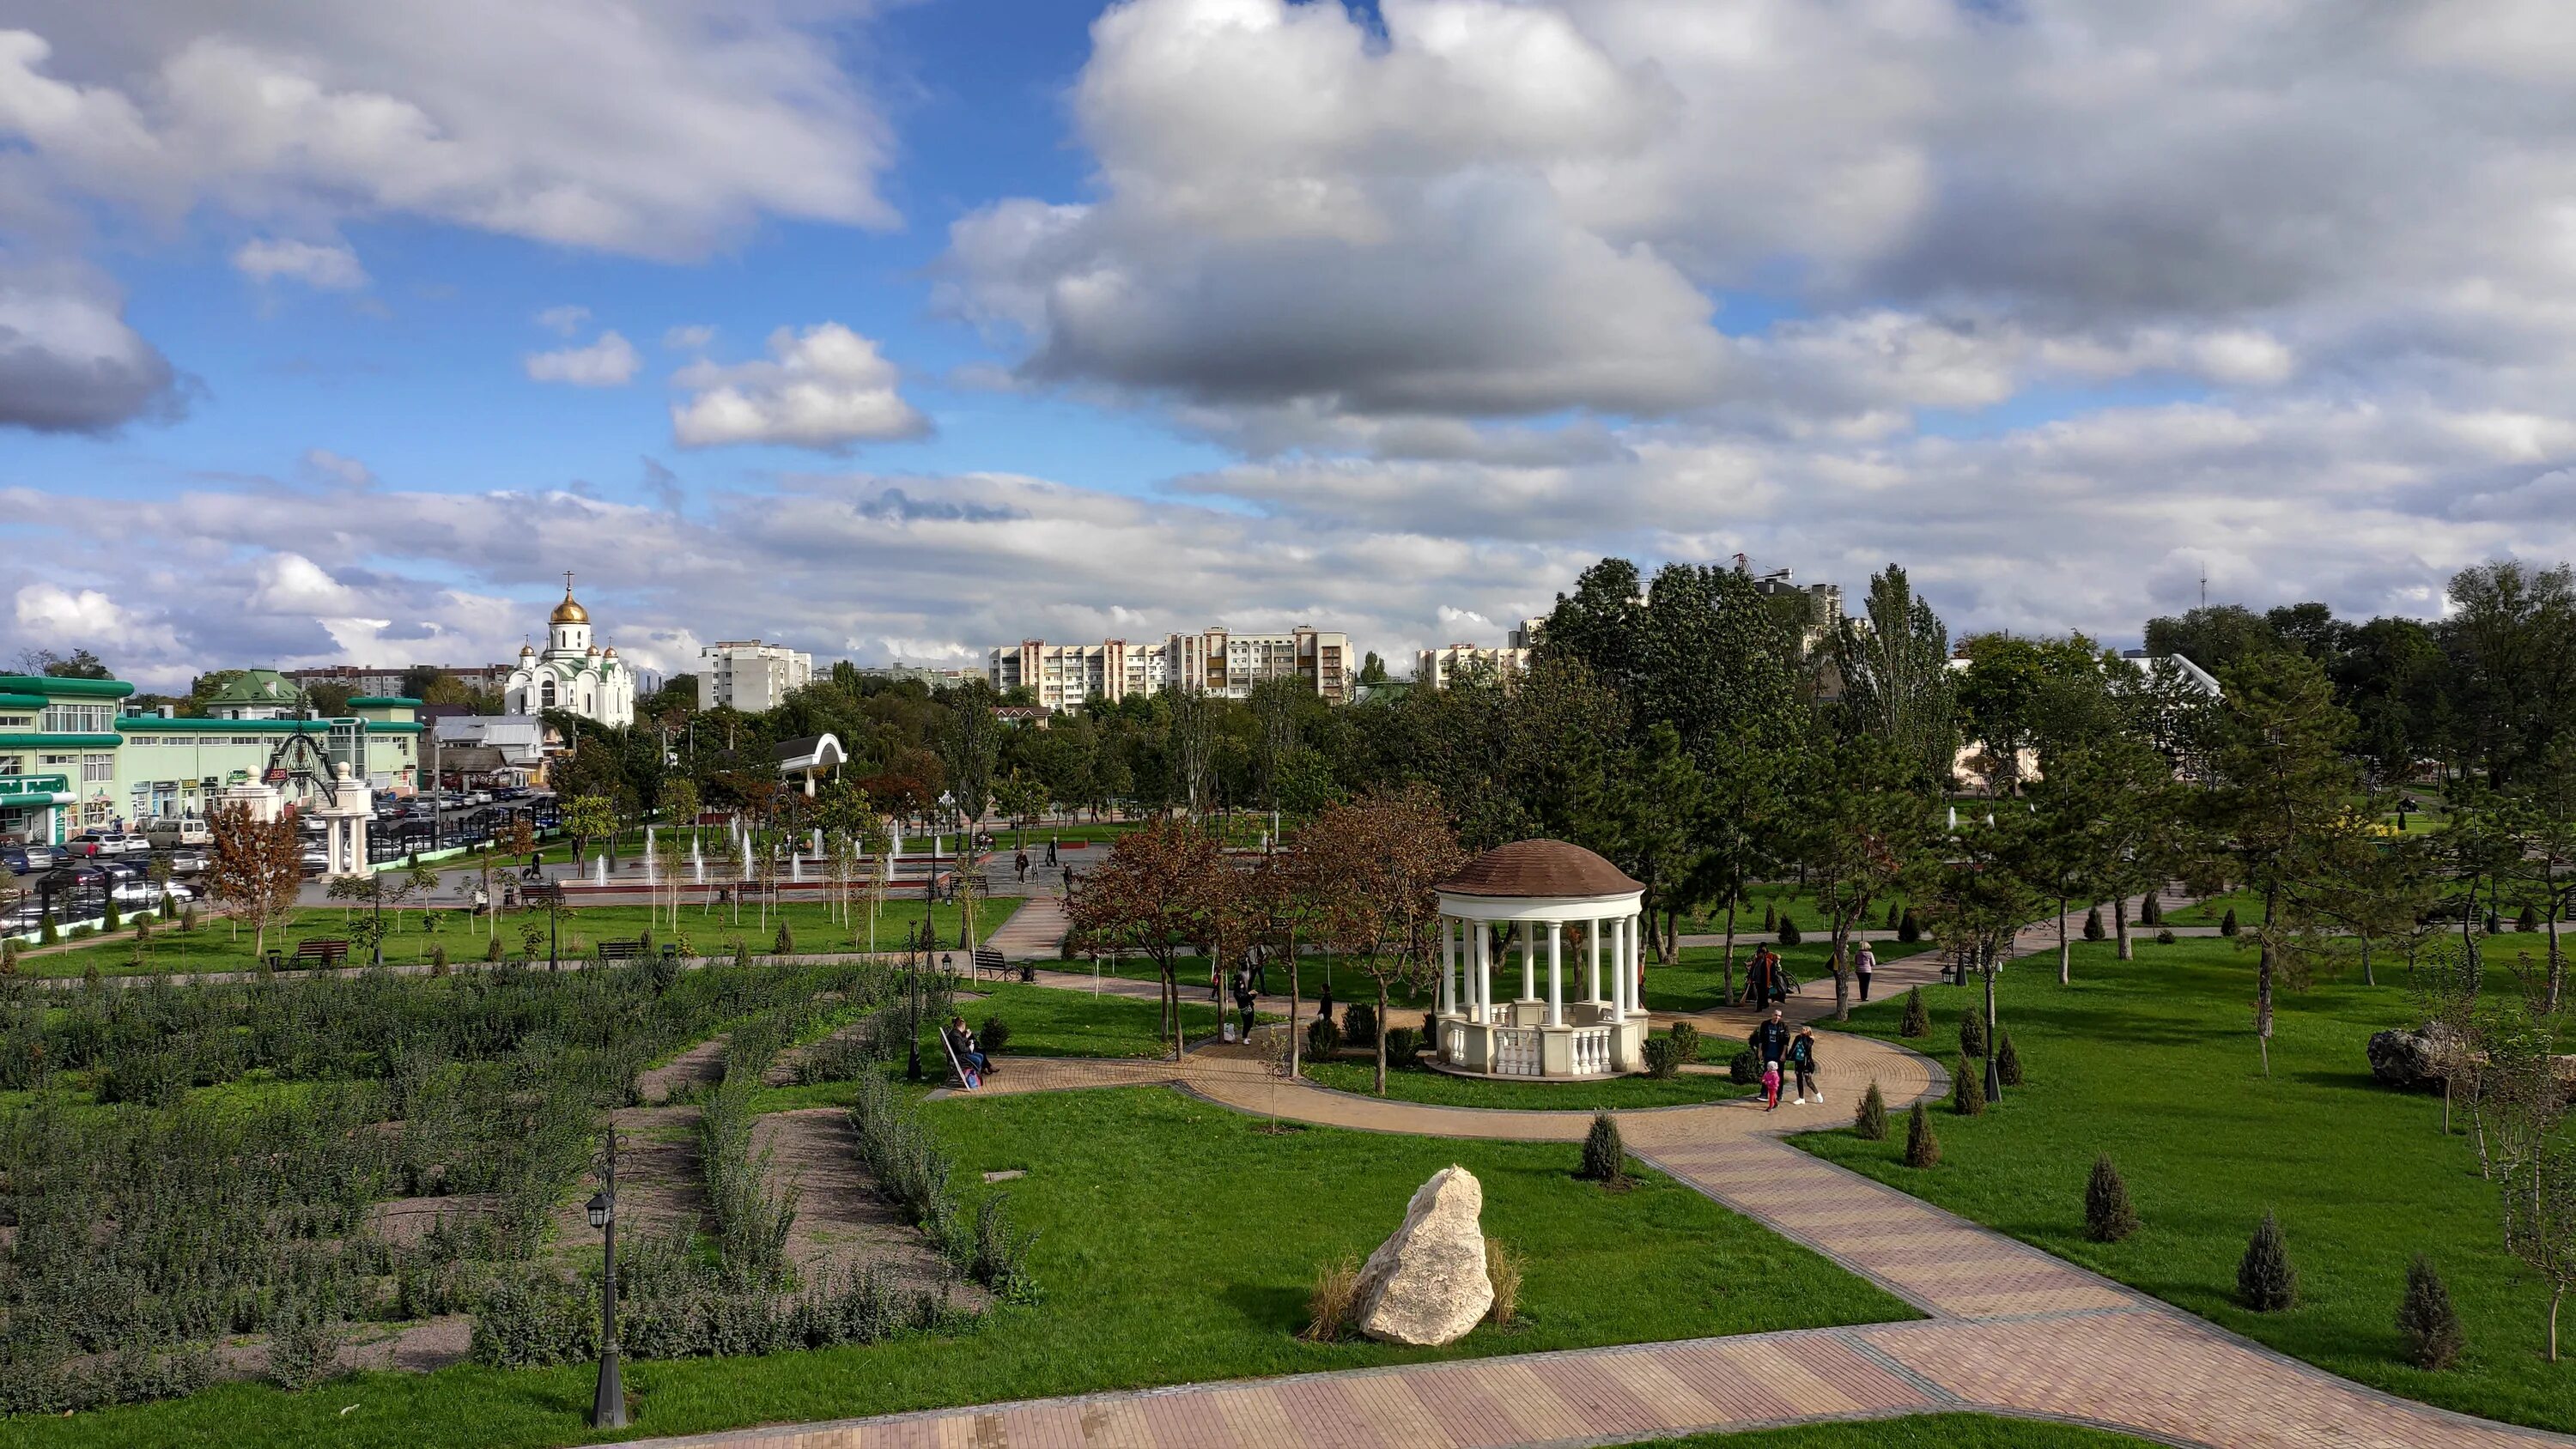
(330, 266)
(85, 619)
(563, 321)
(339, 467)
(68, 361)
(824, 387)
(610, 361)
(688, 339)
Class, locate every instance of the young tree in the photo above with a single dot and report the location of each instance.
(254, 868)
(2283, 811)
(587, 818)
(680, 805)
(1857, 821)
(2535, 1162)
(1897, 683)
(1283, 890)
(1972, 895)
(1377, 861)
(1156, 894)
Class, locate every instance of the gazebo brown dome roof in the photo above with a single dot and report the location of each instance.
(1538, 869)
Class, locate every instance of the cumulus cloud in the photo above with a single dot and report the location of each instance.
(328, 266)
(690, 338)
(339, 467)
(563, 321)
(609, 361)
(825, 387)
(68, 361)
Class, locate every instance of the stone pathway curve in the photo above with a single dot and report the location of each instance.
(2007, 1329)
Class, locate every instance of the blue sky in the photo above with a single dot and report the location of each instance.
(1062, 320)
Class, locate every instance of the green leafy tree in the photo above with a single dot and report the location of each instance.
(1897, 681)
(1857, 821)
(587, 818)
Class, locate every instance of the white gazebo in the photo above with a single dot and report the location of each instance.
(1539, 898)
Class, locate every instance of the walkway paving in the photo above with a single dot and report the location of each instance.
(2006, 1329)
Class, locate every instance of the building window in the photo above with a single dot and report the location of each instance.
(546, 693)
(98, 769)
(79, 719)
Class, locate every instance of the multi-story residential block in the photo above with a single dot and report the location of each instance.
(385, 682)
(1815, 609)
(750, 676)
(1437, 667)
(1213, 661)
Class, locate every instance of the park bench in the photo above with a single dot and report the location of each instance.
(325, 952)
(988, 959)
(621, 950)
(959, 1076)
(541, 893)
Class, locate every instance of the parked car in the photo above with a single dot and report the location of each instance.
(171, 833)
(316, 862)
(20, 860)
(106, 843)
(187, 862)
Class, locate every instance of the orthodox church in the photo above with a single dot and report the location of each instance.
(574, 673)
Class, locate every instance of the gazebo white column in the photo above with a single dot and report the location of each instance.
(1480, 1001)
(1635, 966)
(1448, 964)
(1529, 963)
(1592, 950)
(1555, 973)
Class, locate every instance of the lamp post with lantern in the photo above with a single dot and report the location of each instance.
(608, 1405)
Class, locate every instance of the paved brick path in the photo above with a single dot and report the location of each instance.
(2007, 1329)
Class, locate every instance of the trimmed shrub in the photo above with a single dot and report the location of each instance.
(2107, 1215)
(1323, 1039)
(1770, 918)
(1663, 1056)
(1503, 1271)
(1359, 1024)
(1972, 1032)
(303, 1347)
(438, 959)
(1789, 932)
(1330, 1303)
(2426, 1317)
(84, 931)
(2529, 920)
(1686, 1040)
(742, 955)
(1908, 929)
(1402, 1045)
(115, 921)
(1744, 1068)
(2007, 1061)
(2227, 923)
(188, 917)
(1968, 1087)
(8, 955)
(2093, 924)
(47, 935)
(2265, 1281)
(492, 949)
(1918, 1017)
(2164, 938)
(1870, 1122)
(1922, 1149)
(1605, 1157)
(1894, 913)
(785, 945)
(995, 1035)
(2151, 911)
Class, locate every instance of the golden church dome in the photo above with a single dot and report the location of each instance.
(568, 612)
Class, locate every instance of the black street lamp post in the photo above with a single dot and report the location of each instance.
(912, 996)
(608, 1405)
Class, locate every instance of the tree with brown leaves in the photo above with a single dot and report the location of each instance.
(1376, 862)
(255, 868)
(1159, 893)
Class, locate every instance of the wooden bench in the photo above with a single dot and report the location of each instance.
(958, 1075)
(988, 959)
(326, 952)
(621, 950)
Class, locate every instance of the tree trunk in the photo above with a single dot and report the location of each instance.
(2263, 983)
(1672, 951)
(1381, 1035)
(1994, 1084)
(2549, 898)
(1296, 1013)
(2555, 1294)
(2120, 923)
(2065, 957)
(1842, 977)
(1728, 980)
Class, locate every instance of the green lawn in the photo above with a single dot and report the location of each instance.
(1440, 1089)
(1698, 981)
(1785, 900)
(1314, 972)
(1175, 1243)
(1922, 1431)
(216, 946)
(2153, 1061)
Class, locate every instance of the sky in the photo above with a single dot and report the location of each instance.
(328, 334)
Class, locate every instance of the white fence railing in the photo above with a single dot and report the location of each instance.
(1591, 1051)
(1515, 1053)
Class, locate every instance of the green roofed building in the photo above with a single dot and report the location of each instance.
(70, 760)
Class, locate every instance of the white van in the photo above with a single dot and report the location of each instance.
(169, 834)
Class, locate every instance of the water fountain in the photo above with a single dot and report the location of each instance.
(599, 869)
(795, 868)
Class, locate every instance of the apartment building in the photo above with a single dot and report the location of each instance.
(386, 681)
(1212, 661)
(1437, 667)
(750, 676)
(1815, 610)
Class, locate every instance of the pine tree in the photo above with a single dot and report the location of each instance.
(2426, 1317)
(785, 945)
(1893, 913)
(1918, 1017)
(2529, 920)
(1908, 929)
(2093, 923)
(2265, 1281)
(1972, 1032)
(1770, 918)
(2107, 1215)
(114, 921)
(2227, 923)
(1789, 932)
(492, 949)
(1605, 1157)
(1922, 1149)
(2151, 911)
(2007, 1061)
(1967, 1089)
(1870, 1122)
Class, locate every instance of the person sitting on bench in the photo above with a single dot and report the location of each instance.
(968, 1050)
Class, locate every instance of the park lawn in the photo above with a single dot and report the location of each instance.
(2153, 1062)
(1917, 1431)
(215, 945)
(1314, 971)
(1699, 980)
(1175, 1243)
(1442, 1089)
(1785, 899)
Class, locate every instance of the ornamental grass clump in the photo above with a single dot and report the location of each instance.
(2107, 1215)
(1922, 1149)
(2265, 1281)
(1870, 1122)
(1503, 1272)
(1918, 1017)
(1605, 1157)
(1968, 1088)
(2427, 1319)
(1333, 1300)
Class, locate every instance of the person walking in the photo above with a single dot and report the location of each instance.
(1022, 861)
(1864, 961)
(1770, 1086)
(1243, 1002)
(1802, 1059)
(1324, 1003)
(1770, 1040)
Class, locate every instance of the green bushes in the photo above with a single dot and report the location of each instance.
(1917, 1022)
(1789, 932)
(1744, 1068)
(1908, 930)
(995, 1035)
(1972, 1032)
(1686, 1040)
(752, 1216)
(1870, 1122)
(2093, 924)
(2265, 1281)
(1359, 1024)
(1605, 1157)
(1968, 1088)
(2107, 1215)
(1323, 1039)
(2431, 1325)
(303, 1346)
(2227, 923)
(912, 1175)
(2007, 1060)
(1922, 1149)
(1402, 1045)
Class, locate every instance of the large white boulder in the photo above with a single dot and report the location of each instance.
(1426, 1285)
